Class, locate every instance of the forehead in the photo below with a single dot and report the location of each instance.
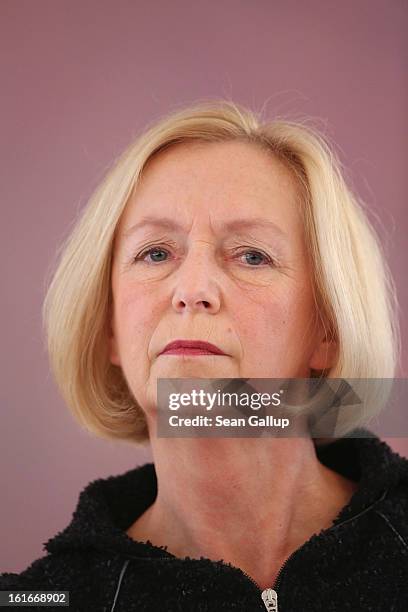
(216, 180)
(228, 163)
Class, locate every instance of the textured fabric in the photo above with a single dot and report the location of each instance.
(359, 564)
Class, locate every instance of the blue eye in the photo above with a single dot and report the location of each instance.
(154, 252)
(151, 251)
(257, 255)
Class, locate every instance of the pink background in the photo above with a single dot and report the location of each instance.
(79, 80)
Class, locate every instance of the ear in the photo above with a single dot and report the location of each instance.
(325, 353)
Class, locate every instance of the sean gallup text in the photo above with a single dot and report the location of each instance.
(220, 421)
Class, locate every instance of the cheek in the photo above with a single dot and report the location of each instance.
(281, 319)
(135, 315)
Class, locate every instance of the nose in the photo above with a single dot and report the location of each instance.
(197, 289)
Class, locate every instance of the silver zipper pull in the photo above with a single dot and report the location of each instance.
(270, 599)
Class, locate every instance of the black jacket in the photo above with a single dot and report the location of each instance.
(359, 564)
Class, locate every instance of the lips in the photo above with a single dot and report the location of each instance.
(198, 347)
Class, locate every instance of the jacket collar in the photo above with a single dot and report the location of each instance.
(107, 507)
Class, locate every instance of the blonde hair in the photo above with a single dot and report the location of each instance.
(354, 290)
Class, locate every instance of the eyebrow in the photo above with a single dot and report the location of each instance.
(234, 225)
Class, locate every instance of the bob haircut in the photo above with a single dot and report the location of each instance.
(353, 288)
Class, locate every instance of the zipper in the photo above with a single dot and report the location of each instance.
(270, 599)
(270, 596)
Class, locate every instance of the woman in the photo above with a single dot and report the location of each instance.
(216, 227)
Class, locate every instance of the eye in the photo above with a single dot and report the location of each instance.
(153, 252)
(253, 258)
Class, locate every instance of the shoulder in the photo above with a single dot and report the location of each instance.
(53, 571)
(35, 576)
(77, 572)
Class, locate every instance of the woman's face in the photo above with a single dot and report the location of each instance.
(211, 247)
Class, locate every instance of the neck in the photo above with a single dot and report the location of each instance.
(248, 501)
